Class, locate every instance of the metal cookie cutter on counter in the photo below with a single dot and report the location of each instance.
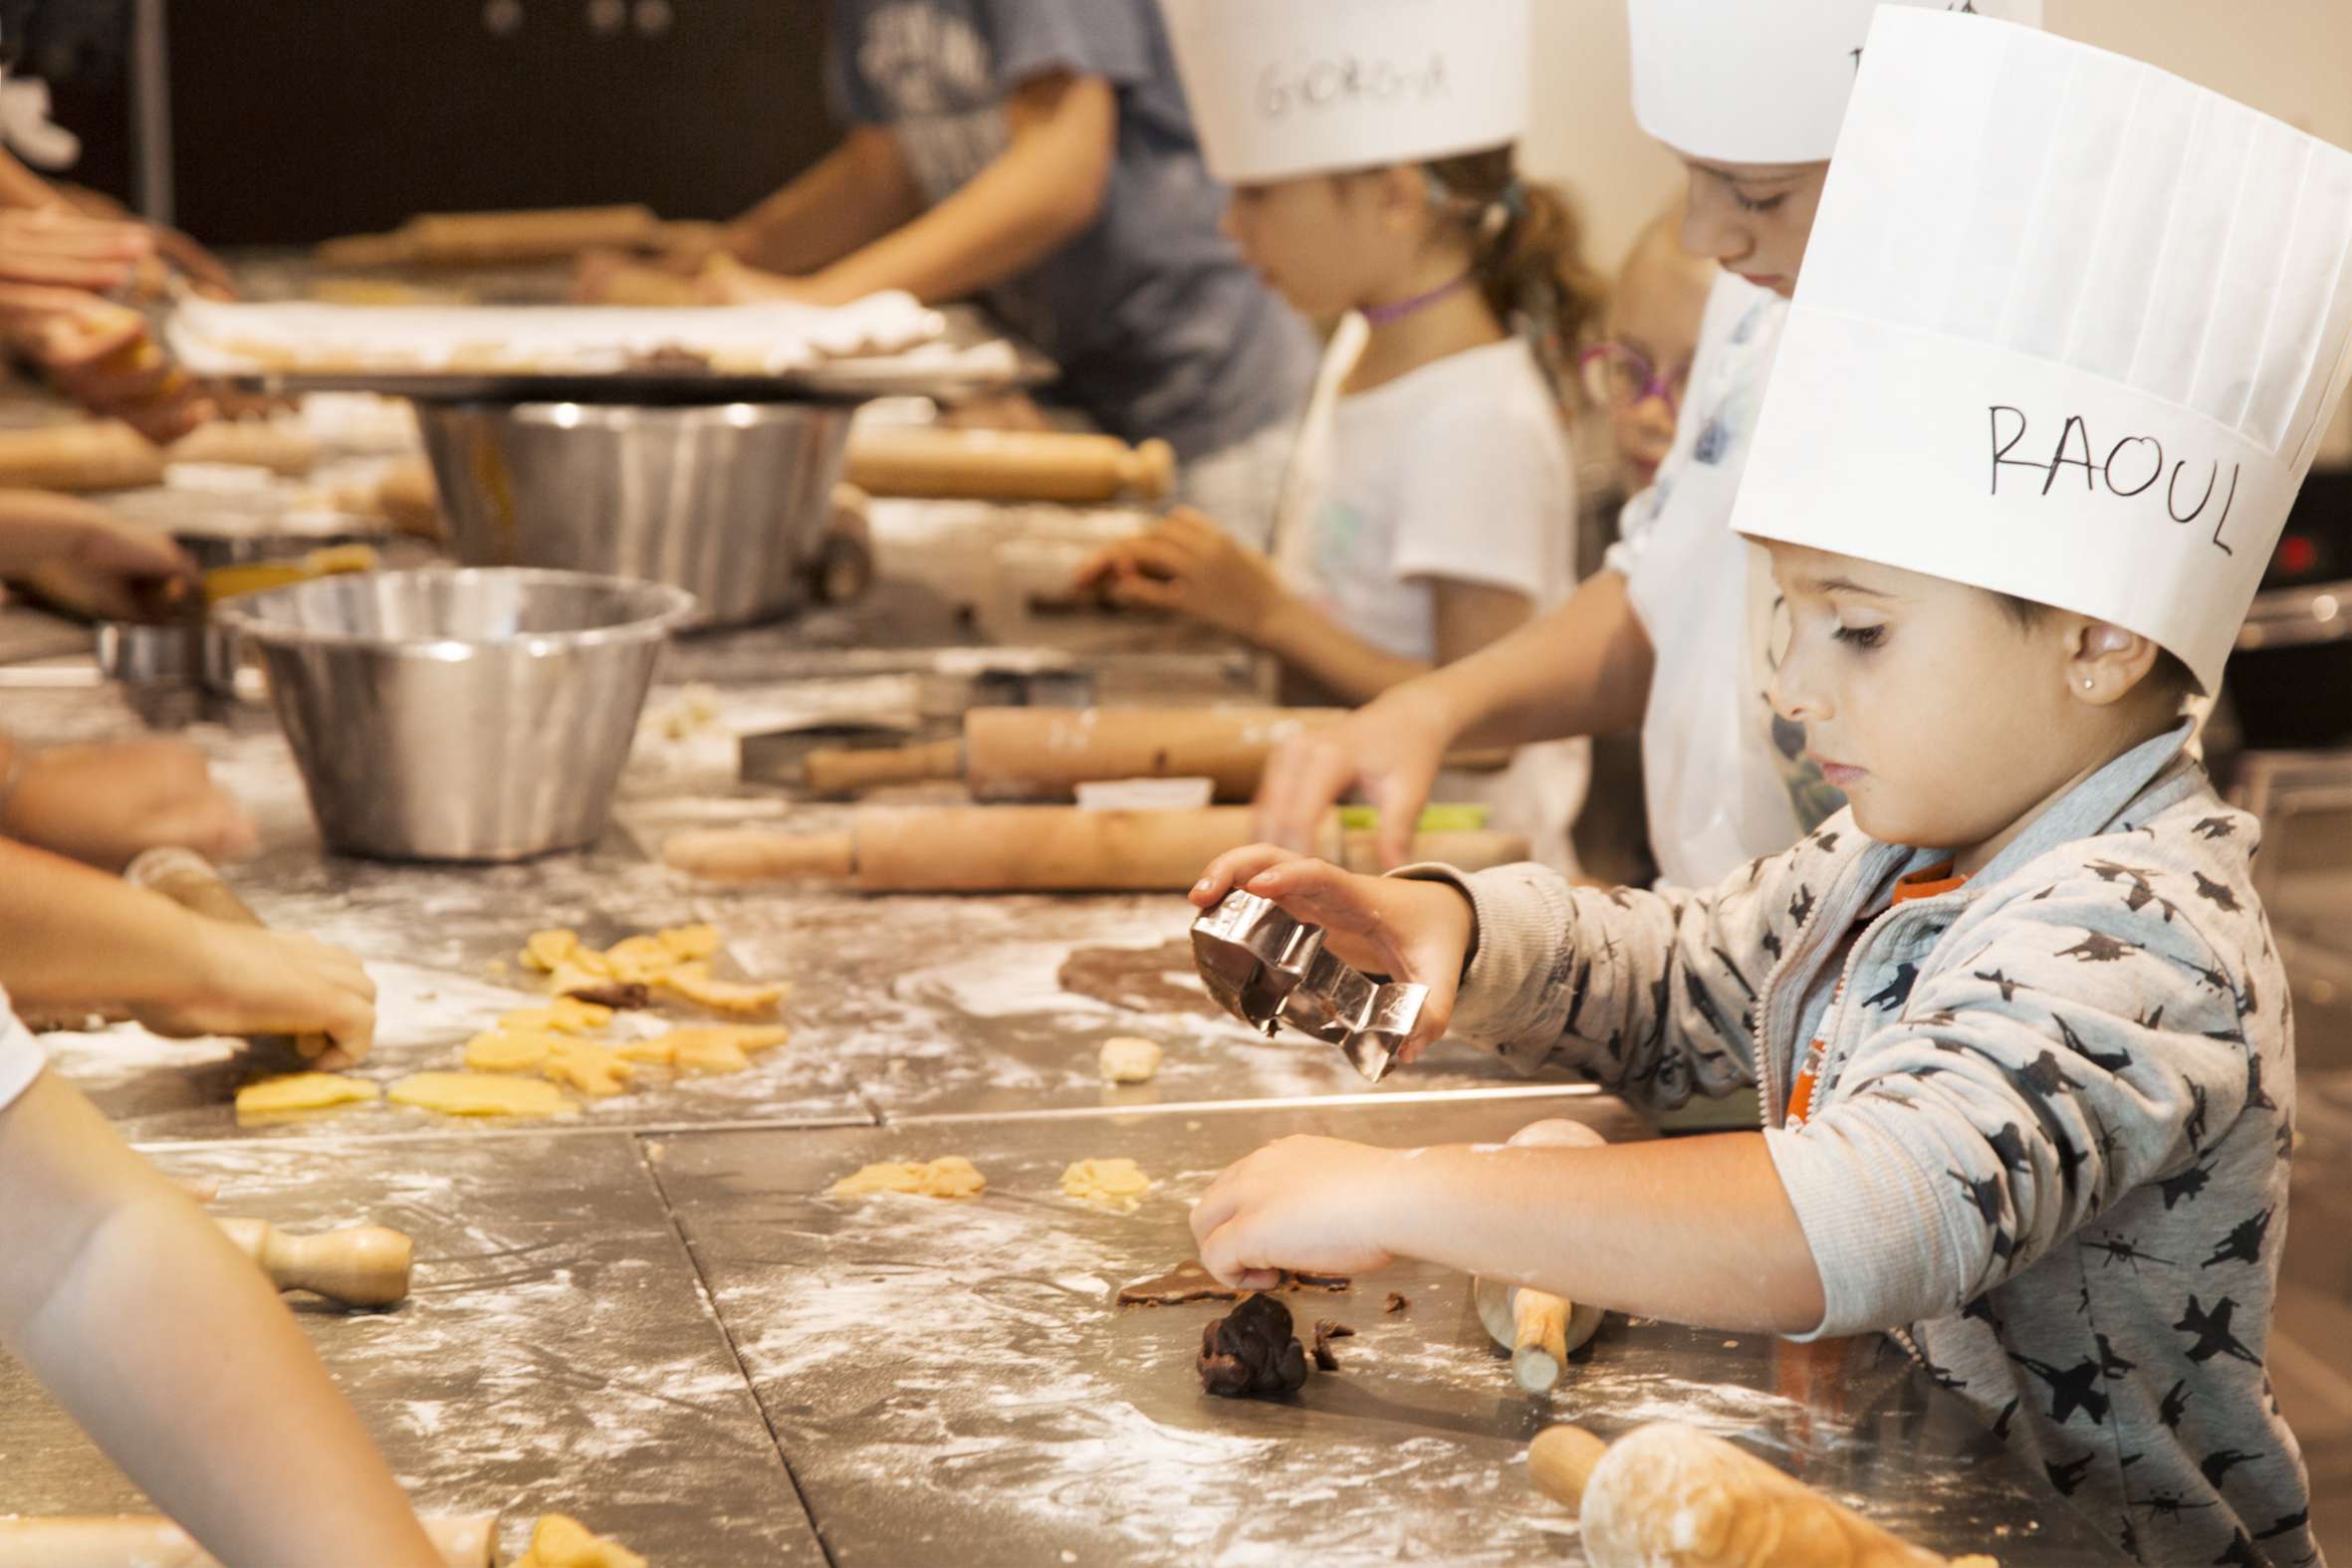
(1268, 969)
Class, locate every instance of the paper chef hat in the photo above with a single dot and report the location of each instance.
(2071, 329)
(1313, 87)
(1760, 81)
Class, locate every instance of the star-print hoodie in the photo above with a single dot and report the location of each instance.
(2048, 1137)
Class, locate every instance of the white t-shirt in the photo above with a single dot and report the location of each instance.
(1727, 779)
(20, 1060)
(1460, 470)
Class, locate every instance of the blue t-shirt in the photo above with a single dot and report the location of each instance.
(1159, 327)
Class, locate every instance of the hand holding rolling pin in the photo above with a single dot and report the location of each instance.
(1414, 932)
(1187, 566)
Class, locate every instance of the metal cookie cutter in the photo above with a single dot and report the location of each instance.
(1268, 969)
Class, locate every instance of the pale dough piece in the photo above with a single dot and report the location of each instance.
(696, 982)
(949, 1175)
(560, 1541)
(564, 1015)
(707, 1055)
(597, 1070)
(548, 951)
(640, 959)
(1114, 1186)
(1126, 1059)
(479, 1095)
(303, 1091)
(686, 944)
(510, 1050)
(657, 1052)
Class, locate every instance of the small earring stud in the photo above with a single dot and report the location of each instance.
(2088, 683)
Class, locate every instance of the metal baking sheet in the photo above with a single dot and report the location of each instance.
(952, 1381)
(556, 1354)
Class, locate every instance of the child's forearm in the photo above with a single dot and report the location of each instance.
(1351, 669)
(1042, 191)
(1694, 1230)
(76, 935)
(1582, 668)
(858, 193)
(196, 1390)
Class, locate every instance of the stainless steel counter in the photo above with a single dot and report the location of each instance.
(954, 1381)
(557, 1353)
(944, 1380)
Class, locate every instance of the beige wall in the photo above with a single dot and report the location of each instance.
(2291, 58)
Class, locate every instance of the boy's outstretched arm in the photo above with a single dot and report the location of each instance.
(1045, 188)
(198, 1389)
(1694, 1230)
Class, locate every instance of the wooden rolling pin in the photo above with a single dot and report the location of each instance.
(1538, 1328)
(1033, 849)
(1667, 1495)
(1008, 465)
(1044, 754)
(98, 455)
(366, 1267)
(188, 880)
(464, 1540)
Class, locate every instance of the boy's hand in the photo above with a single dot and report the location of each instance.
(243, 980)
(1412, 931)
(1188, 565)
(104, 806)
(1304, 1203)
(106, 358)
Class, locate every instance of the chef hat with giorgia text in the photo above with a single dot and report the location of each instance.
(1317, 87)
(1762, 81)
(2070, 329)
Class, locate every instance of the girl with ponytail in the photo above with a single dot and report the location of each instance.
(1432, 508)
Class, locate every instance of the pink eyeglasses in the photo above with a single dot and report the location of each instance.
(1614, 373)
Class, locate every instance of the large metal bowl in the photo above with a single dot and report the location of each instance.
(729, 501)
(479, 715)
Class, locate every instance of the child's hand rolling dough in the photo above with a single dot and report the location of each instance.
(243, 980)
(1417, 932)
(1314, 1203)
(1188, 565)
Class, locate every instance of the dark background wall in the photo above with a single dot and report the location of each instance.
(298, 120)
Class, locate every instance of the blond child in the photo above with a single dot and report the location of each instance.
(2018, 1027)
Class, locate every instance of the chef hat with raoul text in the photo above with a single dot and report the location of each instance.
(2070, 329)
(1319, 87)
(1762, 81)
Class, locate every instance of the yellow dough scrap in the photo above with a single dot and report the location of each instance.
(708, 1055)
(696, 983)
(564, 1015)
(597, 1070)
(479, 1095)
(687, 944)
(1126, 1059)
(656, 1052)
(510, 1050)
(949, 1175)
(641, 959)
(303, 1091)
(567, 978)
(548, 951)
(1115, 1186)
(560, 1541)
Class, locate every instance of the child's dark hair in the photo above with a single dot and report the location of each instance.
(1528, 241)
(2168, 674)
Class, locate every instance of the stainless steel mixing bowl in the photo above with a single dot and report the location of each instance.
(729, 502)
(480, 715)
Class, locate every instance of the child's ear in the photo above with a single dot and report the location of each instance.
(1403, 197)
(2105, 663)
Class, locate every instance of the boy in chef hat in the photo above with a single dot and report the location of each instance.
(1372, 150)
(2062, 358)
(1674, 636)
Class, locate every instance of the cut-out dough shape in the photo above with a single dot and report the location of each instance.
(949, 1175)
(564, 1015)
(596, 1071)
(1126, 1059)
(1114, 1186)
(479, 1095)
(511, 1051)
(696, 983)
(303, 1091)
(560, 1541)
